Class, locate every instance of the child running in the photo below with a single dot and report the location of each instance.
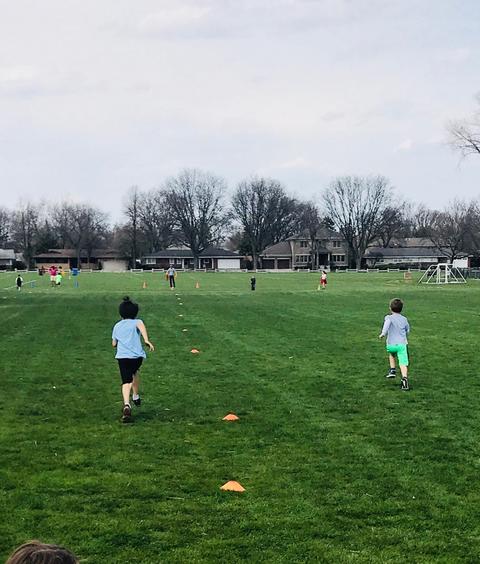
(323, 280)
(396, 328)
(130, 354)
(19, 282)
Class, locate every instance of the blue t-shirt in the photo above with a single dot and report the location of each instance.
(127, 335)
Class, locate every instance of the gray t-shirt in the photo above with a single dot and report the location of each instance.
(396, 327)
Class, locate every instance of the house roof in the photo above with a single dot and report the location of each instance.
(283, 249)
(210, 252)
(412, 242)
(403, 252)
(6, 254)
(72, 253)
(323, 233)
(280, 249)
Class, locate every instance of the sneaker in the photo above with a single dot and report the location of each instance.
(137, 402)
(126, 413)
(391, 375)
(404, 385)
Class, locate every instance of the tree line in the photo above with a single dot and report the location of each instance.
(192, 209)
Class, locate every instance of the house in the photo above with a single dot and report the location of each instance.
(108, 260)
(296, 252)
(7, 259)
(413, 251)
(212, 258)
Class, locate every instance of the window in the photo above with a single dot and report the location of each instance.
(338, 258)
(336, 244)
(150, 261)
(303, 244)
(302, 258)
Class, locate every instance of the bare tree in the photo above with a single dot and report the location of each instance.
(420, 221)
(266, 213)
(131, 211)
(452, 229)
(97, 230)
(311, 222)
(79, 225)
(5, 226)
(465, 134)
(47, 237)
(355, 205)
(195, 200)
(156, 220)
(391, 222)
(24, 229)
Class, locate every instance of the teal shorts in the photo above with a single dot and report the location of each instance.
(401, 351)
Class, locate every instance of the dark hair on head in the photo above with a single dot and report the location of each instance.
(128, 309)
(36, 552)
(396, 305)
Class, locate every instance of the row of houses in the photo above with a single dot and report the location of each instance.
(295, 253)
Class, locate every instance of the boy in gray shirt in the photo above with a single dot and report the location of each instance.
(396, 328)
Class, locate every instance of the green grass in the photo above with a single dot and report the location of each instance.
(338, 464)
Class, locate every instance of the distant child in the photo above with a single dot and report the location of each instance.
(323, 280)
(396, 328)
(58, 278)
(253, 283)
(130, 354)
(19, 282)
(53, 273)
(171, 274)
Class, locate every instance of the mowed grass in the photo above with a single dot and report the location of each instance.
(338, 464)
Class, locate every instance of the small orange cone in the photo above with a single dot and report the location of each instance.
(232, 486)
(197, 285)
(230, 417)
(144, 284)
(194, 351)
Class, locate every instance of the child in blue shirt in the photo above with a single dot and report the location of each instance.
(130, 354)
(396, 328)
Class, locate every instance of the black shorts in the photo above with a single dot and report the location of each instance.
(128, 368)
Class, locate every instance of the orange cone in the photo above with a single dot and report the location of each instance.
(197, 285)
(230, 417)
(144, 284)
(194, 351)
(232, 486)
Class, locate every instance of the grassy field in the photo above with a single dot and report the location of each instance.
(337, 463)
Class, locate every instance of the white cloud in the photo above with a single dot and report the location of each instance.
(455, 56)
(175, 18)
(298, 162)
(17, 74)
(405, 145)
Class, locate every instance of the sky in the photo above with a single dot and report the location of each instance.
(97, 96)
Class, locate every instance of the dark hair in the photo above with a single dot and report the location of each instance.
(396, 305)
(128, 309)
(36, 552)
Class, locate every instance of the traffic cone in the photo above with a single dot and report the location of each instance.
(230, 417)
(232, 486)
(144, 285)
(197, 285)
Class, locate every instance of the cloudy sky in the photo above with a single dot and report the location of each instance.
(100, 95)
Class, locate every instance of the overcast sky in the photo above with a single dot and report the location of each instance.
(100, 95)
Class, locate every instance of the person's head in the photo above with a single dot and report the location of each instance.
(36, 552)
(128, 309)
(396, 305)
